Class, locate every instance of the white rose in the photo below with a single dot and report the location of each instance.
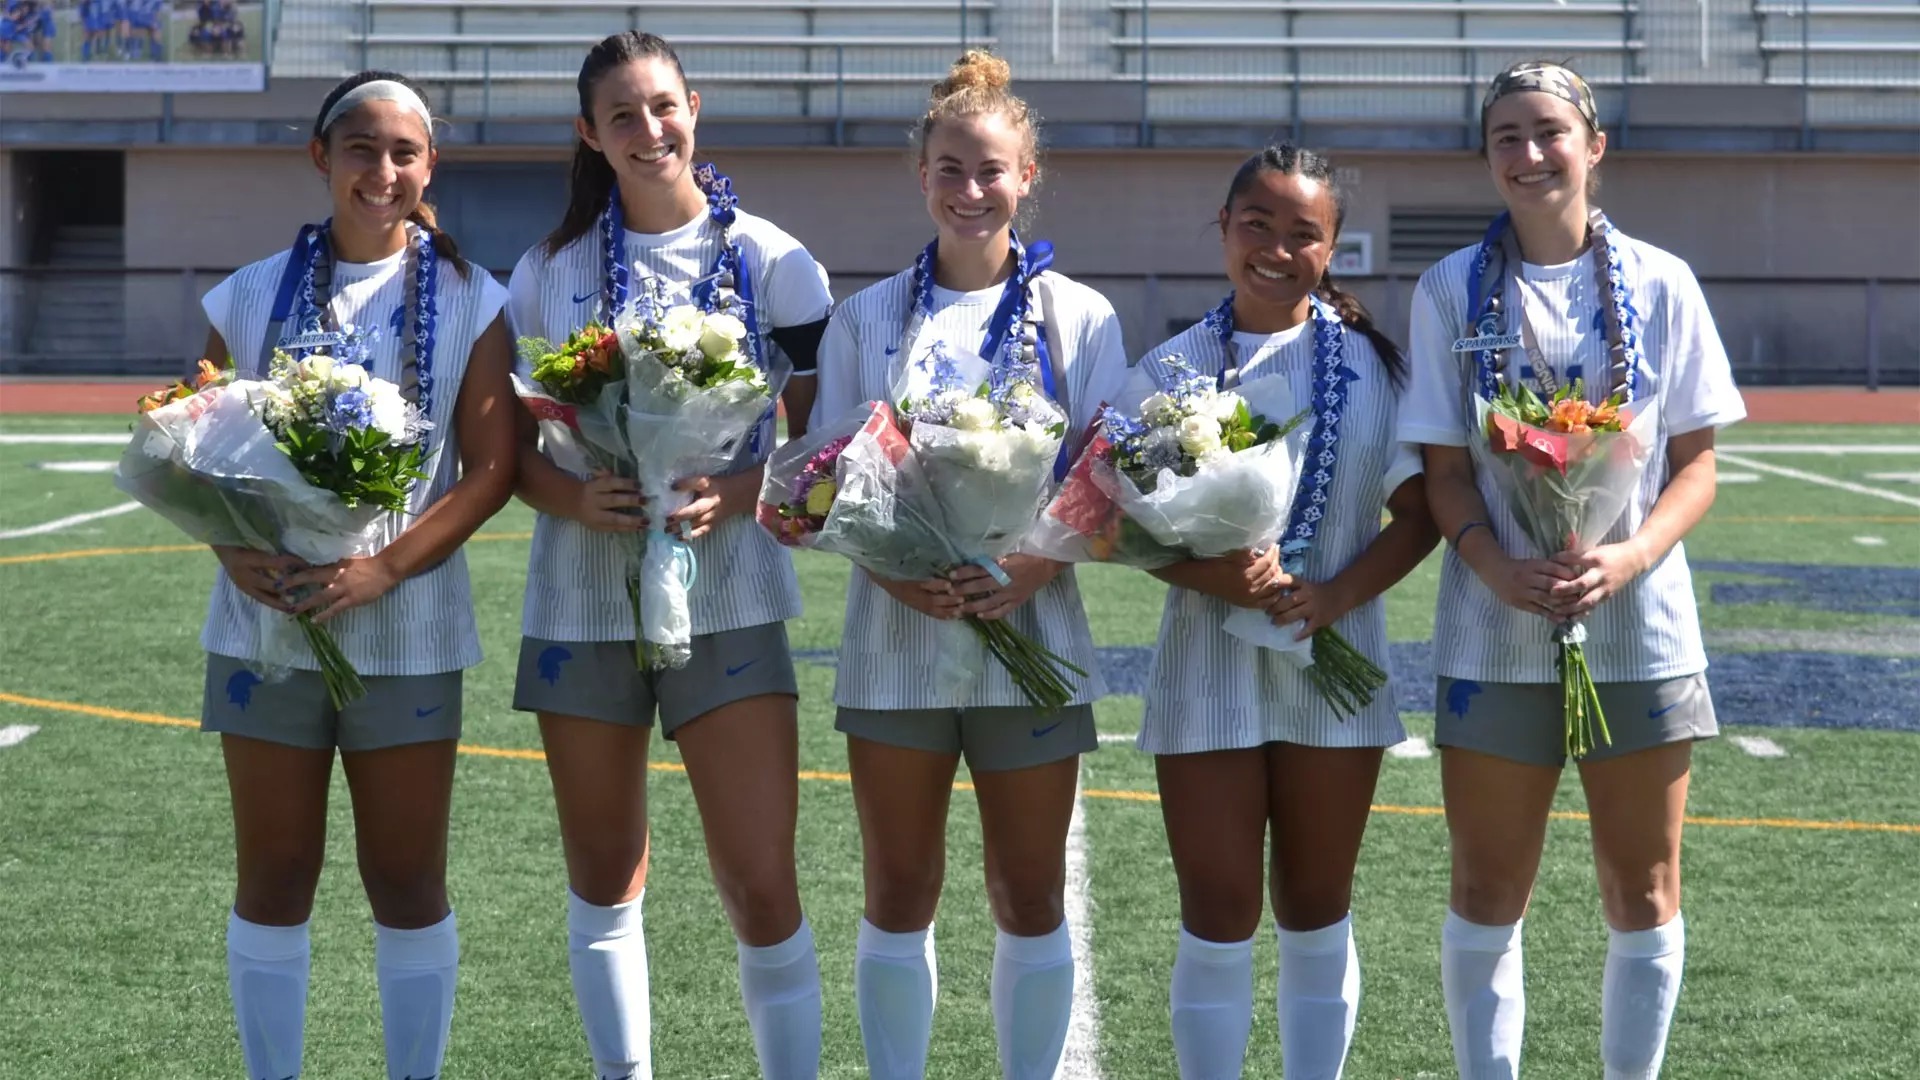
(315, 368)
(681, 327)
(975, 414)
(1159, 410)
(989, 454)
(389, 410)
(1221, 407)
(722, 335)
(1200, 436)
(348, 377)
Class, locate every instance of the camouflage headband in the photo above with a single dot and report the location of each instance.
(1546, 78)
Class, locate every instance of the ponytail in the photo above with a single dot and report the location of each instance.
(443, 246)
(1355, 314)
(590, 184)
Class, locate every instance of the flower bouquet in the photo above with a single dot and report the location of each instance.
(694, 397)
(1568, 468)
(952, 477)
(1200, 471)
(311, 462)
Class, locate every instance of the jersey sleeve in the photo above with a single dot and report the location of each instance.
(838, 389)
(800, 291)
(218, 304)
(523, 297)
(1433, 409)
(1100, 367)
(1700, 391)
(493, 299)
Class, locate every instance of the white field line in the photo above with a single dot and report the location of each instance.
(1081, 1059)
(1759, 746)
(1118, 737)
(1896, 477)
(61, 523)
(15, 734)
(1830, 450)
(1870, 541)
(1816, 478)
(1736, 477)
(77, 466)
(55, 439)
(1413, 747)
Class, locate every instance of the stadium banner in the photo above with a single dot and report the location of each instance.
(132, 46)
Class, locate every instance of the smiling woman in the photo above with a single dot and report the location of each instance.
(403, 615)
(976, 289)
(640, 216)
(1556, 297)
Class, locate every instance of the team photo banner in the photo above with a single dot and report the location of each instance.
(132, 46)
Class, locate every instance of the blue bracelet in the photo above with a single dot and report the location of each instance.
(1467, 528)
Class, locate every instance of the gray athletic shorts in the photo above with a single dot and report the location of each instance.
(991, 739)
(295, 711)
(1523, 721)
(600, 681)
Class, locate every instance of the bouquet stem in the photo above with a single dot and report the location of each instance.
(1580, 697)
(1342, 674)
(639, 635)
(343, 683)
(1034, 667)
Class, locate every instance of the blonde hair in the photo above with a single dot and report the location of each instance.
(976, 85)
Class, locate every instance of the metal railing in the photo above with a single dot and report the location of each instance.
(1155, 66)
(106, 322)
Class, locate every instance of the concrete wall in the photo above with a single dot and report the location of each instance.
(1137, 224)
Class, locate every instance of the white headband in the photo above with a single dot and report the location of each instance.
(379, 90)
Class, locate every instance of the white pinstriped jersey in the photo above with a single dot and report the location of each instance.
(425, 625)
(887, 650)
(1211, 691)
(576, 577)
(1651, 628)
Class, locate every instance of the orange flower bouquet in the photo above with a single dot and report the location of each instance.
(1568, 467)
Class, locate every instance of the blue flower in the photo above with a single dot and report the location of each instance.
(350, 410)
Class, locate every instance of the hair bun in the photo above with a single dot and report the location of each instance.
(977, 70)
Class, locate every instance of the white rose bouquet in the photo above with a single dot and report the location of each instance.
(695, 400)
(1200, 471)
(314, 462)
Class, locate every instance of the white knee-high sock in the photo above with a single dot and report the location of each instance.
(1319, 999)
(1032, 1001)
(1212, 1004)
(1481, 975)
(267, 973)
(417, 970)
(607, 953)
(1637, 998)
(895, 982)
(780, 985)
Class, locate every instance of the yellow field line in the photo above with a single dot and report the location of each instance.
(1121, 795)
(168, 549)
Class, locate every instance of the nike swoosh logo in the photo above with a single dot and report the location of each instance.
(1655, 714)
(732, 671)
(423, 713)
(590, 296)
(1042, 732)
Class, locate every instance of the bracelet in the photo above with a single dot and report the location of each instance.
(1467, 528)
